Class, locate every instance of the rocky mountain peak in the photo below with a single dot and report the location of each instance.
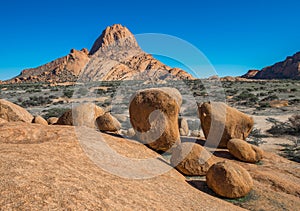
(115, 55)
(115, 34)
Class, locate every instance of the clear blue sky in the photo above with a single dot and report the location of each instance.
(235, 35)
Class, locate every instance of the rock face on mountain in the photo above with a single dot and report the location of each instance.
(250, 74)
(112, 35)
(115, 55)
(287, 69)
(63, 69)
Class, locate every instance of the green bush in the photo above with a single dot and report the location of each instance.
(68, 93)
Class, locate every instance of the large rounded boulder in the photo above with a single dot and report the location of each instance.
(220, 123)
(154, 117)
(82, 115)
(244, 151)
(192, 159)
(229, 180)
(108, 123)
(14, 113)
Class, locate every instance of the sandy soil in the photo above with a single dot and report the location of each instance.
(273, 144)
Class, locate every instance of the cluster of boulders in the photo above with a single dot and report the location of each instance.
(155, 120)
(154, 115)
(87, 114)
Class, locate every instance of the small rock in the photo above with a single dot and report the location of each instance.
(52, 120)
(229, 180)
(192, 159)
(108, 123)
(183, 126)
(39, 120)
(244, 151)
(195, 133)
(130, 132)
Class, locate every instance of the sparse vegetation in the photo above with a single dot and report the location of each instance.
(255, 137)
(68, 93)
(54, 112)
(291, 128)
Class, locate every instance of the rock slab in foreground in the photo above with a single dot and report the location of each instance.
(56, 174)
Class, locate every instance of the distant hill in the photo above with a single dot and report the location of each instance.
(115, 55)
(287, 69)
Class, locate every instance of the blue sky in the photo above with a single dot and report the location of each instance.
(235, 35)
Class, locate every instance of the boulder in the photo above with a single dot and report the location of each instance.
(52, 120)
(108, 123)
(229, 180)
(13, 113)
(244, 151)
(154, 117)
(220, 123)
(183, 126)
(39, 120)
(66, 118)
(192, 159)
(196, 133)
(130, 132)
(82, 115)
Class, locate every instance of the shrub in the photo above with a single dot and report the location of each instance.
(36, 101)
(68, 93)
(255, 137)
(270, 98)
(291, 127)
(82, 91)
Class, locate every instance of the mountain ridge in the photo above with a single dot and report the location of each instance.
(115, 55)
(286, 69)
